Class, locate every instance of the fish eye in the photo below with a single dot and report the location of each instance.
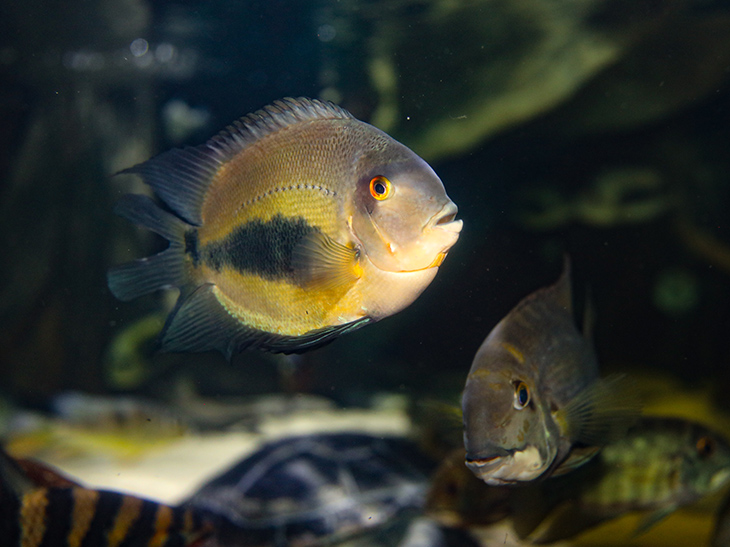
(522, 395)
(380, 187)
(705, 446)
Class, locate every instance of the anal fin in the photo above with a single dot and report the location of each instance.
(199, 322)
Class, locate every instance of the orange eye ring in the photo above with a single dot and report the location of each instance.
(380, 187)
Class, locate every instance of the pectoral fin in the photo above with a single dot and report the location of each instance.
(601, 413)
(320, 262)
(577, 457)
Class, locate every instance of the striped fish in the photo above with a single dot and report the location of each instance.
(56, 513)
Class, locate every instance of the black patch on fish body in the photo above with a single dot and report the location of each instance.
(107, 507)
(263, 248)
(58, 517)
(9, 523)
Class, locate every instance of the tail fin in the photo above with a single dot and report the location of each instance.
(163, 270)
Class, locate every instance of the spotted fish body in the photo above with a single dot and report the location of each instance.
(60, 513)
(662, 462)
(533, 403)
(292, 226)
(660, 465)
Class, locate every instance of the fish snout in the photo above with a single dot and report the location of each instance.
(508, 466)
(445, 219)
(484, 468)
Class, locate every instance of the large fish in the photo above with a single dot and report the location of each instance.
(294, 225)
(41, 508)
(533, 404)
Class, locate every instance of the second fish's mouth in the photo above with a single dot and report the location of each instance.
(508, 468)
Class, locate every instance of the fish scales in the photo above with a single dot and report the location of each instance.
(309, 200)
(300, 223)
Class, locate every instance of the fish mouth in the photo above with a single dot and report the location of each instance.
(508, 466)
(445, 219)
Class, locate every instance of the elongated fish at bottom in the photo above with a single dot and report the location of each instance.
(45, 509)
(294, 225)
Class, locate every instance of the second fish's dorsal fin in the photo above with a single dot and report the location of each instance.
(562, 289)
(181, 177)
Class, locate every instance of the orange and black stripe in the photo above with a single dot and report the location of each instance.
(82, 517)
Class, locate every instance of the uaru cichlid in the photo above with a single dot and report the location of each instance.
(533, 404)
(292, 226)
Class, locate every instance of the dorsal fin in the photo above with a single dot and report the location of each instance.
(181, 177)
(270, 119)
(545, 300)
(562, 288)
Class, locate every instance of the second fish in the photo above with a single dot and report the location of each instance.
(533, 403)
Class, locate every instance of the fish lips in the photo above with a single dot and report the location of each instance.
(503, 466)
(444, 222)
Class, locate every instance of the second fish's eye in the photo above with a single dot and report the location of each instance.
(380, 187)
(522, 395)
